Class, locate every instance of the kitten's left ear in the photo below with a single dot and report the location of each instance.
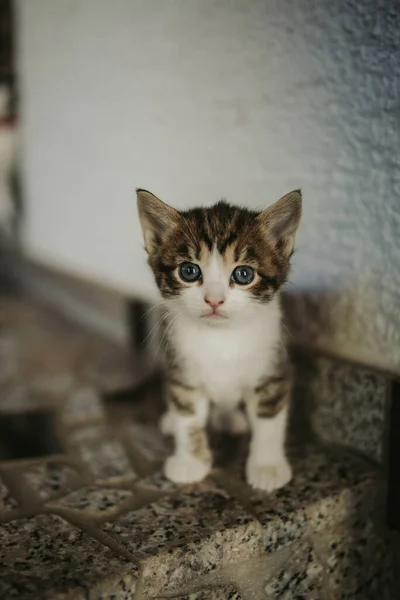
(156, 218)
(281, 220)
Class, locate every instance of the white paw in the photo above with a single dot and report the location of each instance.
(268, 477)
(185, 469)
(167, 423)
(234, 422)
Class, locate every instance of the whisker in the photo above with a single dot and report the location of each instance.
(156, 326)
(164, 333)
(290, 334)
(149, 310)
(168, 329)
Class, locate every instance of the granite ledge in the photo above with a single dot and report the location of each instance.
(46, 558)
(174, 532)
(328, 486)
(184, 536)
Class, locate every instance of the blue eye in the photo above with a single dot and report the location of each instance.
(243, 275)
(189, 272)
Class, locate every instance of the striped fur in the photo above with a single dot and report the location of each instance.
(240, 235)
(236, 357)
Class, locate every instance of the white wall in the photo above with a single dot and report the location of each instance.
(198, 99)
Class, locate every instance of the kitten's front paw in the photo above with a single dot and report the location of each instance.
(268, 477)
(185, 469)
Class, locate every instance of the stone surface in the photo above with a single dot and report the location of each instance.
(17, 397)
(103, 455)
(347, 403)
(97, 502)
(327, 487)
(158, 481)
(300, 577)
(108, 513)
(47, 558)
(51, 478)
(6, 500)
(58, 385)
(111, 369)
(356, 555)
(82, 404)
(52, 354)
(8, 356)
(187, 535)
(115, 588)
(216, 593)
(26, 434)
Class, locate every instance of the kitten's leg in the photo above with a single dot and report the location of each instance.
(267, 466)
(167, 422)
(186, 419)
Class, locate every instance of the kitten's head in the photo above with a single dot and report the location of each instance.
(220, 263)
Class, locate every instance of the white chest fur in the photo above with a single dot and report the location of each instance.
(225, 361)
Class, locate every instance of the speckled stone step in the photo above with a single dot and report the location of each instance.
(90, 515)
(345, 403)
(146, 537)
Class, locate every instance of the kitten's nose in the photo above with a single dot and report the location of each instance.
(214, 301)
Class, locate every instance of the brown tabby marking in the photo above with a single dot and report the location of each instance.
(199, 443)
(272, 398)
(273, 393)
(241, 236)
(182, 398)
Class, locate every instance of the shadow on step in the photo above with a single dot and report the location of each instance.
(27, 435)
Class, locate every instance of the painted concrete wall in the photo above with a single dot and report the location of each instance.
(198, 99)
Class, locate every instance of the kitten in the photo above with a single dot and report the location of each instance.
(220, 271)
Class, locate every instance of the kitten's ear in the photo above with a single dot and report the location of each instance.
(156, 218)
(281, 220)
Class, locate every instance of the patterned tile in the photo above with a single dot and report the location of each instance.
(45, 557)
(97, 502)
(82, 403)
(50, 479)
(158, 481)
(103, 455)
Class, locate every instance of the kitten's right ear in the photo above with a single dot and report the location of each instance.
(281, 220)
(156, 218)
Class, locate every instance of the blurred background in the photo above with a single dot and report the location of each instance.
(198, 100)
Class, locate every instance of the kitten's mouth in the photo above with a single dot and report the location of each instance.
(214, 316)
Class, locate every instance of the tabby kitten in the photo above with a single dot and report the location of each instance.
(220, 271)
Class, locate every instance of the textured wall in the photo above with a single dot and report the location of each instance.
(198, 99)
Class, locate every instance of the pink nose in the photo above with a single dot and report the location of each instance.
(213, 302)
